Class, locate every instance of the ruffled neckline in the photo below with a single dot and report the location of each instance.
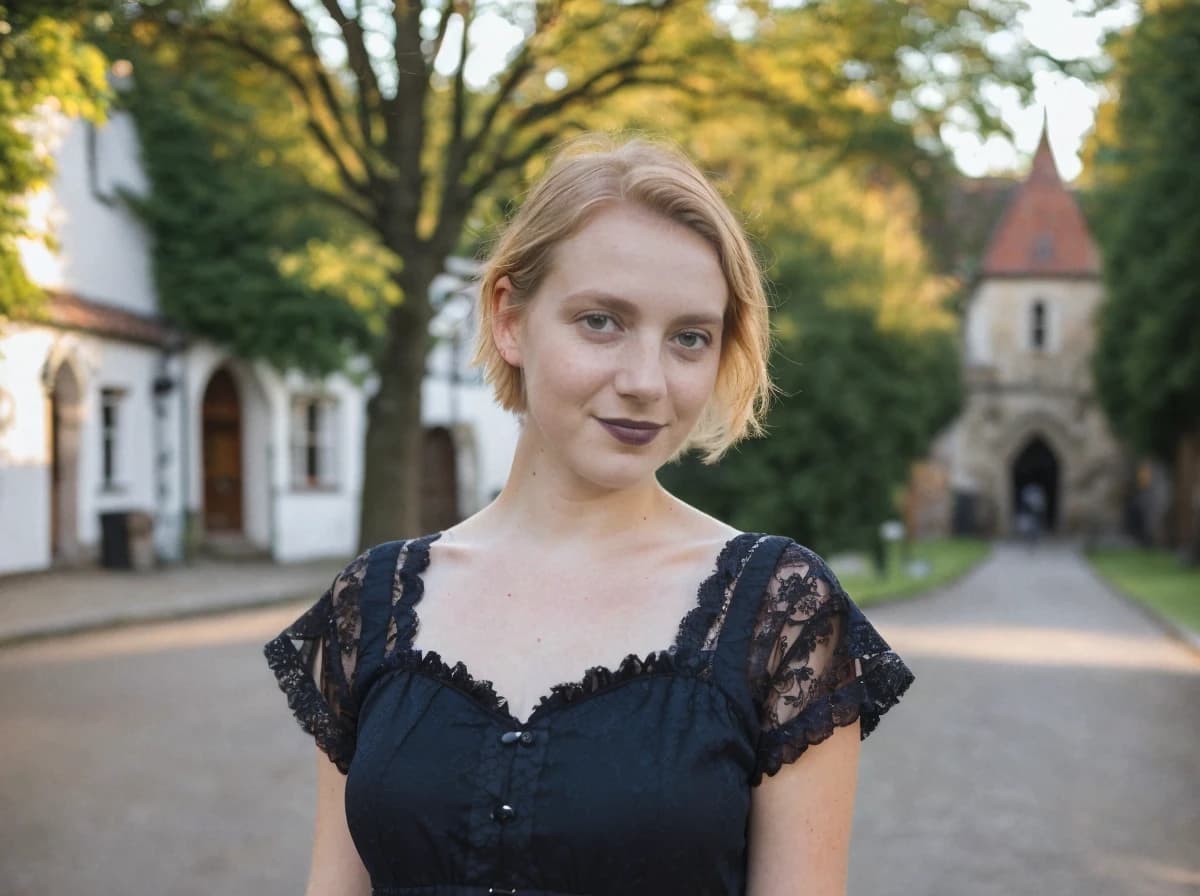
(683, 656)
(481, 691)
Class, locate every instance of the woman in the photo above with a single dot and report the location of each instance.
(623, 317)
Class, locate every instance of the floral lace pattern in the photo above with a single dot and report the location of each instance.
(815, 662)
(315, 661)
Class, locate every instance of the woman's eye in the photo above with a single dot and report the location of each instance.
(597, 322)
(693, 339)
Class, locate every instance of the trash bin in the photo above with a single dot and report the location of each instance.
(126, 539)
(114, 539)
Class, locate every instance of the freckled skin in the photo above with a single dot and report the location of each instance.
(583, 360)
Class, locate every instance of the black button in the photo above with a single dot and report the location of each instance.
(527, 738)
(504, 812)
(501, 891)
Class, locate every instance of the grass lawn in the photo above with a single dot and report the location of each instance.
(1156, 578)
(947, 559)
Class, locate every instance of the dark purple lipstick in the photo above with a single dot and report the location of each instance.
(632, 432)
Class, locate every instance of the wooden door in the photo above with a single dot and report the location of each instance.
(222, 440)
(439, 481)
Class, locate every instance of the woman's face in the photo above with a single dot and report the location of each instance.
(620, 347)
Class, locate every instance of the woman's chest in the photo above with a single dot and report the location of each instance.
(525, 632)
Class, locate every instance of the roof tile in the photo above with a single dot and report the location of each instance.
(1042, 233)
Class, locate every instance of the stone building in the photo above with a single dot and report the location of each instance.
(1030, 412)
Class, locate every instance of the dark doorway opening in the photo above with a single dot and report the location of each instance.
(1037, 465)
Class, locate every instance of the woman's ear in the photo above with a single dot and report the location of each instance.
(506, 322)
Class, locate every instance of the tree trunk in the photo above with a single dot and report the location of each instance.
(391, 487)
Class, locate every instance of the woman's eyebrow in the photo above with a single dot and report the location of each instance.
(630, 309)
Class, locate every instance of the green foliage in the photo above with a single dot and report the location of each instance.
(46, 65)
(1147, 213)
(861, 400)
(242, 255)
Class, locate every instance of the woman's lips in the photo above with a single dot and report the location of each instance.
(631, 432)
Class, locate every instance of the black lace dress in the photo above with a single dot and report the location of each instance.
(633, 781)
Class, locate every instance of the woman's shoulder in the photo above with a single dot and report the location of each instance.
(794, 559)
(377, 559)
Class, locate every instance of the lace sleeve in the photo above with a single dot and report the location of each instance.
(315, 659)
(816, 662)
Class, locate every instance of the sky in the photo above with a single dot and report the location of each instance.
(1054, 25)
(1068, 103)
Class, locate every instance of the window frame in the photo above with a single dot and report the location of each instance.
(112, 399)
(313, 445)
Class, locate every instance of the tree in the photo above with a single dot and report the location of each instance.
(867, 365)
(416, 144)
(242, 255)
(44, 63)
(1147, 212)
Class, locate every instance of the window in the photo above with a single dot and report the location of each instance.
(110, 436)
(1043, 247)
(313, 442)
(1037, 326)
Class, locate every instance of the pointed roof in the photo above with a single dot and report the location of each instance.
(1042, 233)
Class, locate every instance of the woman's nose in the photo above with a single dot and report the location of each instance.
(640, 375)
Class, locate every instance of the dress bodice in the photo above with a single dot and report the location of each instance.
(635, 779)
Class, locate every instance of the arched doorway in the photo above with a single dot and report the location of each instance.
(64, 413)
(439, 481)
(222, 447)
(1037, 464)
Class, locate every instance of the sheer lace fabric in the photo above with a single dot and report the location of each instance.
(815, 662)
(315, 661)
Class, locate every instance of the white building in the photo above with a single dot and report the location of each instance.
(104, 408)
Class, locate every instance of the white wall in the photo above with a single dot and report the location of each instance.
(104, 252)
(132, 368)
(319, 523)
(25, 461)
(484, 433)
(24, 451)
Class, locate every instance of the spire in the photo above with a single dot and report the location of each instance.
(1045, 169)
(1042, 233)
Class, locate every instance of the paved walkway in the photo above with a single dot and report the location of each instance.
(1049, 744)
(1048, 748)
(43, 604)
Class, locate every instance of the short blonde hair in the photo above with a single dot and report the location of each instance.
(596, 170)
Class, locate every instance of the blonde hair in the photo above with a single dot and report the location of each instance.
(595, 170)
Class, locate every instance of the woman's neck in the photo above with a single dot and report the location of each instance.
(540, 500)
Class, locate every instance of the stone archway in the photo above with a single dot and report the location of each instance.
(65, 415)
(1037, 464)
(222, 452)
